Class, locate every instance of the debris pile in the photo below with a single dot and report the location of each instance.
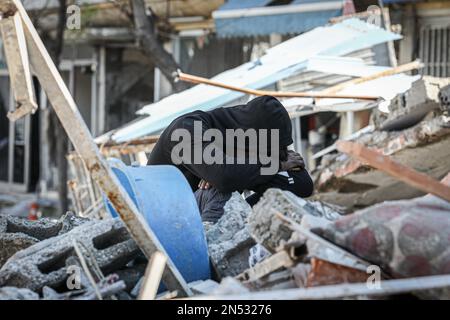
(361, 227)
(229, 240)
(405, 239)
(310, 251)
(416, 133)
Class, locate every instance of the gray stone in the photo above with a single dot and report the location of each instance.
(44, 263)
(229, 240)
(270, 231)
(410, 107)
(19, 233)
(12, 293)
(10, 243)
(70, 221)
(265, 227)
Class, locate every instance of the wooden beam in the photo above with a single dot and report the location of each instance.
(152, 277)
(70, 117)
(18, 66)
(199, 80)
(395, 169)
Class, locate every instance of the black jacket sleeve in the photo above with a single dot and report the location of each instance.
(297, 182)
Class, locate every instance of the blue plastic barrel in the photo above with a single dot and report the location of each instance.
(165, 199)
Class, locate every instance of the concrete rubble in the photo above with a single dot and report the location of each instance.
(408, 108)
(364, 234)
(346, 182)
(17, 233)
(229, 240)
(361, 225)
(270, 231)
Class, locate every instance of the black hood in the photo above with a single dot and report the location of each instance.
(264, 112)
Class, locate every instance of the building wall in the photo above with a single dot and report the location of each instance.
(426, 32)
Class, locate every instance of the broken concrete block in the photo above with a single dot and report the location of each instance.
(230, 285)
(264, 225)
(70, 221)
(229, 240)
(270, 231)
(40, 229)
(19, 233)
(44, 263)
(408, 108)
(12, 293)
(10, 243)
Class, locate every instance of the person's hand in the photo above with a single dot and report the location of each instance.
(204, 185)
(294, 162)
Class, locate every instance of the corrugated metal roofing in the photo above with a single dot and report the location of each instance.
(279, 63)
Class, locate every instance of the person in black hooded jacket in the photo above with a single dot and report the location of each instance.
(214, 183)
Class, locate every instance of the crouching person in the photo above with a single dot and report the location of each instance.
(238, 148)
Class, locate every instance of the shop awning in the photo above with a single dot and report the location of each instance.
(248, 18)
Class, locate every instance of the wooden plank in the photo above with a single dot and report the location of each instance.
(18, 65)
(395, 169)
(387, 287)
(70, 117)
(152, 276)
(268, 265)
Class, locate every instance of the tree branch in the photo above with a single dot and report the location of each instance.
(148, 42)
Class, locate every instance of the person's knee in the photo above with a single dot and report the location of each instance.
(211, 203)
(304, 187)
